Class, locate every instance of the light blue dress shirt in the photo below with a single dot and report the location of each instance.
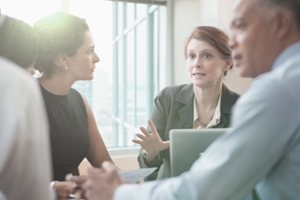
(262, 151)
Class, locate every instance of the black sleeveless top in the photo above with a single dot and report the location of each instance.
(68, 123)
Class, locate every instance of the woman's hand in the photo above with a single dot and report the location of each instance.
(64, 189)
(151, 142)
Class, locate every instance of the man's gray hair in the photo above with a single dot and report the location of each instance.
(292, 5)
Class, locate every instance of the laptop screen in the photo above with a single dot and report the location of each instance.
(187, 144)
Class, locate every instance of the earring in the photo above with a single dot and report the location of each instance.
(66, 67)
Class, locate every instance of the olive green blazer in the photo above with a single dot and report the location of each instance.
(173, 109)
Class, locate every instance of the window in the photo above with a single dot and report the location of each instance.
(130, 39)
(132, 67)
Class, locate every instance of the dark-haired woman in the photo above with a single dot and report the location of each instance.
(67, 55)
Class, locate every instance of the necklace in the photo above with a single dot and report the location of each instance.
(214, 109)
(205, 124)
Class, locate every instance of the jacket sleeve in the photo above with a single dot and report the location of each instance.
(159, 117)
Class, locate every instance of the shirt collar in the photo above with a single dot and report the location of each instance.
(288, 52)
(217, 115)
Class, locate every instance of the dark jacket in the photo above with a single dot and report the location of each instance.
(173, 109)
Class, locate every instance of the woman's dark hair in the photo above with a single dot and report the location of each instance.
(18, 42)
(214, 37)
(58, 33)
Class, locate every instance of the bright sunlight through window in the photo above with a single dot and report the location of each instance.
(130, 39)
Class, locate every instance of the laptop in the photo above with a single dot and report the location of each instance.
(186, 145)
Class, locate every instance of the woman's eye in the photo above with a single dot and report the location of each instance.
(206, 55)
(191, 56)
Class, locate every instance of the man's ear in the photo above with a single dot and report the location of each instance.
(283, 24)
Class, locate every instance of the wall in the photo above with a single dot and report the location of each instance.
(124, 163)
(124, 158)
(190, 13)
(186, 14)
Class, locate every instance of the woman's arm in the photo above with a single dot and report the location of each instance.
(98, 151)
(158, 117)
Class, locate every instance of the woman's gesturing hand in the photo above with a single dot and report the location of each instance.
(151, 142)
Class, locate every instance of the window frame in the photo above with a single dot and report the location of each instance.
(151, 91)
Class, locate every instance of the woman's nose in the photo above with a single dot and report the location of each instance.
(196, 63)
(96, 59)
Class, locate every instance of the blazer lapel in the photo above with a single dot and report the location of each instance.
(185, 97)
(228, 99)
(186, 115)
(223, 123)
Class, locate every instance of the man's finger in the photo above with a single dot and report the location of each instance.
(79, 194)
(94, 170)
(79, 180)
(108, 166)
